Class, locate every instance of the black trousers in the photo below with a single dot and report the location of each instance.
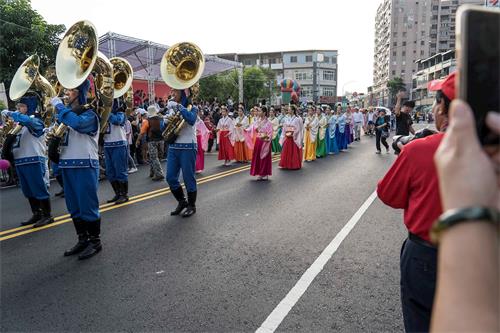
(210, 145)
(418, 283)
(378, 138)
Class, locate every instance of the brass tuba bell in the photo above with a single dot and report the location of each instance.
(77, 58)
(182, 65)
(28, 79)
(122, 76)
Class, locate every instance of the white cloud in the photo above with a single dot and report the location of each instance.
(220, 26)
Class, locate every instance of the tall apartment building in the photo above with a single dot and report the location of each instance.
(408, 30)
(298, 65)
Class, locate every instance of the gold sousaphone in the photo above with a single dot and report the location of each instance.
(181, 67)
(78, 57)
(29, 80)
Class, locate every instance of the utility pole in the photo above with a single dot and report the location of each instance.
(315, 81)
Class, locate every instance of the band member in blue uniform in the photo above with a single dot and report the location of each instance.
(28, 151)
(115, 152)
(79, 164)
(182, 156)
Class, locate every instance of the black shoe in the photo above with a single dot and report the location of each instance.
(123, 193)
(116, 188)
(156, 178)
(83, 238)
(191, 206)
(94, 245)
(179, 196)
(46, 217)
(35, 209)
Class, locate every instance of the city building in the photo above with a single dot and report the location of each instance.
(301, 66)
(406, 31)
(435, 67)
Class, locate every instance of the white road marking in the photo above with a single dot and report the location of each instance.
(281, 311)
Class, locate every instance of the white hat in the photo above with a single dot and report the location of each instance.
(152, 111)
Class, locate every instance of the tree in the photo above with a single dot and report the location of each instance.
(395, 85)
(256, 82)
(25, 32)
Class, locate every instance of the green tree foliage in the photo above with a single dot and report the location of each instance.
(24, 32)
(256, 82)
(395, 85)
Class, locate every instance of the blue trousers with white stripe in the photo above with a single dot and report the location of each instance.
(80, 192)
(116, 163)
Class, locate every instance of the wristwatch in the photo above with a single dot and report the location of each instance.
(456, 216)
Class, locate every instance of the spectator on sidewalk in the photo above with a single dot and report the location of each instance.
(404, 124)
(152, 129)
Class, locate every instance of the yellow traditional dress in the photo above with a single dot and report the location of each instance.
(311, 125)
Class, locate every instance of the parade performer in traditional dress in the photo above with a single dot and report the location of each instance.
(225, 137)
(79, 163)
(311, 125)
(202, 136)
(349, 126)
(321, 139)
(28, 151)
(262, 159)
(291, 140)
(340, 132)
(275, 143)
(241, 151)
(115, 152)
(182, 155)
(332, 146)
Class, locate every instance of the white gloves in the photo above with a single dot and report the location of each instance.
(172, 105)
(6, 113)
(56, 101)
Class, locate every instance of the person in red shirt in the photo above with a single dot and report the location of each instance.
(411, 184)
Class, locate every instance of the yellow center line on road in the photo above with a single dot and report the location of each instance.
(106, 207)
(65, 216)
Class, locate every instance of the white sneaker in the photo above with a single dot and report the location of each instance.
(132, 170)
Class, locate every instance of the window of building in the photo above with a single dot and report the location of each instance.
(247, 62)
(328, 91)
(300, 76)
(309, 58)
(421, 52)
(403, 53)
(293, 59)
(422, 42)
(326, 59)
(395, 44)
(329, 76)
(306, 92)
(404, 33)
(404, 43)
(393, 72)
(403, 63)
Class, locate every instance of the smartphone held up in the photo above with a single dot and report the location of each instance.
(478, 37)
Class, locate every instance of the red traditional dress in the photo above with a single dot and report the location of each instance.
(261, 159)
(225, 139)
(241, 151)
(291, 141)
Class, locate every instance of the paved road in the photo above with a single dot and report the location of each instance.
(226, 268)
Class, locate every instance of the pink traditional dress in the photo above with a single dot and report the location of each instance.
(291, 141)
(202, 136)
(225, 139)
(261, 159)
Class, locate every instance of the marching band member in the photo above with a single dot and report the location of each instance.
(261, 159)
(291, 141)
(115, 152)
(310, 133)
(28, 151)
(182, 156)
(321, 139)
(275, 143)
(225, 137)
(202, 135)
(79, 164)
(332, 146)
(241, 151)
